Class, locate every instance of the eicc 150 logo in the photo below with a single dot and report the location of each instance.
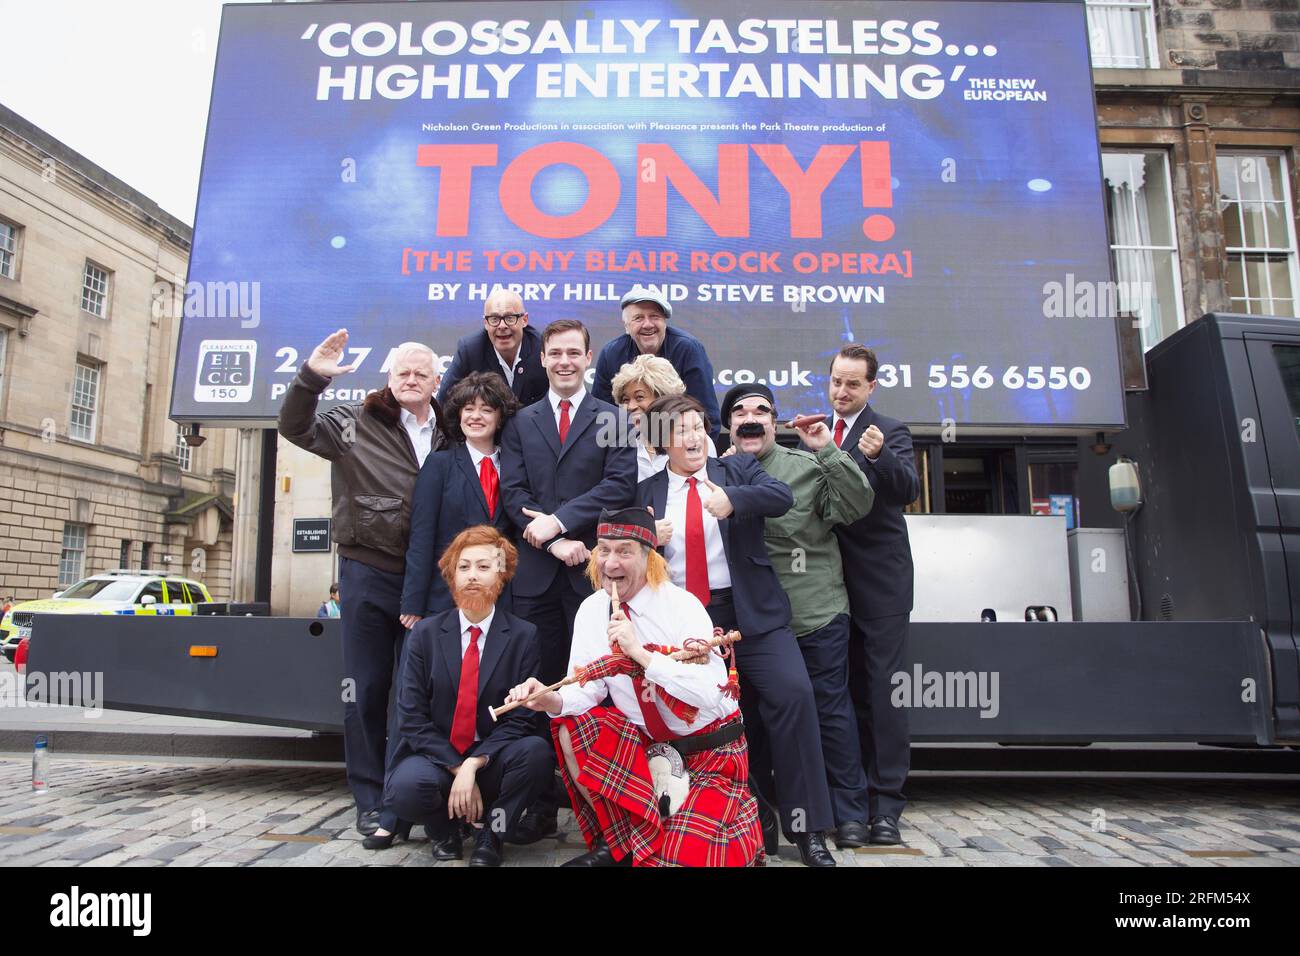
(225, 370)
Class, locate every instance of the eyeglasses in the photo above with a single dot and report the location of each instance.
(508, 319)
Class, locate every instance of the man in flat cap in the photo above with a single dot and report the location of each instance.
(664, 710)
(646, 312)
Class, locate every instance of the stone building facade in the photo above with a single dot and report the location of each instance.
(1198, 111)
(93, 475)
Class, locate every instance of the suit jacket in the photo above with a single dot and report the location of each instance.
(430, 681)
(688, 357)
(594, 469)
(877, 553)
(448, 498)
(761, 603)
(475, 353)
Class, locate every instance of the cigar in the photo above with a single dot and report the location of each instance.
(803, 421)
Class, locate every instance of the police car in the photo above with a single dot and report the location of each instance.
(113, 592)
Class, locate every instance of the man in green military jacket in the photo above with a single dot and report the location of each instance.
(829, 489)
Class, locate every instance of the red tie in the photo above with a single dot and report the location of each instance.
(654, 722)
(839, 433)
(462, 725)
(697, 562)
(487, 476)
(564, 419)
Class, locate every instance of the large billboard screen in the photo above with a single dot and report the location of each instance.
(922, 177)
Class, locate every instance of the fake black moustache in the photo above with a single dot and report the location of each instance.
(750, 430)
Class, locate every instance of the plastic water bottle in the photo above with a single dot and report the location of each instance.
(40, 765)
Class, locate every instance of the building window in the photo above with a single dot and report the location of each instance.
(124, 556)
(1259, 235)
(94, 290)
(184, 453)
(1144, 244)
(72, 559)
(1122, 34)
(8, 250)
(4, 359)
(146, 555)
(85, 402)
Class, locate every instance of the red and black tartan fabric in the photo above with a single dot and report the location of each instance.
(716, 826)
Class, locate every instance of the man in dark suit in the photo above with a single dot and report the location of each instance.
(878, 576)
(457, 488)
(711, 515)
(454, 765)
(508, 346)
(563, 459)
(645, 318)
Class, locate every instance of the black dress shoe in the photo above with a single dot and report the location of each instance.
(812, 849)
(367, 821)
(535, 826)
(771, 829)
(449, 847)
(375, 842)
(599, 855)
(884, 831)
(487, 849)
(850, 835)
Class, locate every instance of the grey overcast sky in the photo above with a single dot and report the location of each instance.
(123, 82)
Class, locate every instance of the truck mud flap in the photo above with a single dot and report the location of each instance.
(285, 672)
(1204, 682)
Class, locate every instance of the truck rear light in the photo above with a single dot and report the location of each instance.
(20, 655)
(203, 650)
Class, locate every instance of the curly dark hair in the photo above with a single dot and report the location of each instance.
(486, 386)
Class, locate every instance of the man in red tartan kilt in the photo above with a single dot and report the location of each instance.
(627, 815)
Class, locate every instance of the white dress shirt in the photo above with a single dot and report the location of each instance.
(507, 369)
(574, 401)
(476, 458)
(421, 435)
(675, 551)
(484, 626)
(665, 615)
(849, 422)
(647, 467)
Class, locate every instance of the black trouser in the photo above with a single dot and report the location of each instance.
(826, 655)
(775, 683)
(418, 788)
(552, 612)
(875, 655)
(372, 651)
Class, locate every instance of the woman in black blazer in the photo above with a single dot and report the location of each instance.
(451, 493)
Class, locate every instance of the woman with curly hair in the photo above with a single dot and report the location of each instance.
(457, 488)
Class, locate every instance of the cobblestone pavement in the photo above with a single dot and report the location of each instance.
(142, 812)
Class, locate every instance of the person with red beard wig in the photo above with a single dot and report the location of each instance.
(455, 767)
